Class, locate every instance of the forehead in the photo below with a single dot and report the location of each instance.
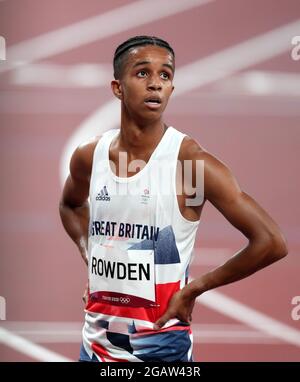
(152, 53)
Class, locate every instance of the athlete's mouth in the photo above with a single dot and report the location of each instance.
(153, 102)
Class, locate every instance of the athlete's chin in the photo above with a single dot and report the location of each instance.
(150, 112)
(151, 117)
(141, 113)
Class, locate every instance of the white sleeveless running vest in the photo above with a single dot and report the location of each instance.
(139, 249)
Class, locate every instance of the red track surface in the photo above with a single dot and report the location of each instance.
(42, 276)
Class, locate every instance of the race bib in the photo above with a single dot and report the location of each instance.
(121, 277)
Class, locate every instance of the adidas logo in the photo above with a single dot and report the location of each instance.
(103, 195)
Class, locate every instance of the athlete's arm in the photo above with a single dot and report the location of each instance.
(266, 243)
(74, 206)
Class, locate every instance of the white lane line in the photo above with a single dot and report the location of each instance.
(217, 103)
(230, 334)
(70, 332)
(27, 347)
(63, 76)
(235, 58)
(47, 331)
(261, 83)
(189, 77)
(249, 316)
(94, 28)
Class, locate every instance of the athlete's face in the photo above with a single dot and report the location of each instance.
(147, 82)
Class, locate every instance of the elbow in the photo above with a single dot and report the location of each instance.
(277, 247)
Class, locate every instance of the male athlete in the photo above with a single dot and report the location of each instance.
(128, 206)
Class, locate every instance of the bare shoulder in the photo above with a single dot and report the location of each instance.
(82, 158)
(192, 150)
(189, 148)
(217, 175)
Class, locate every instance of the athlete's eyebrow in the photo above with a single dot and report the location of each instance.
(149, 62)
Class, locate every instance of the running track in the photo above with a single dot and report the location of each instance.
(237, 93)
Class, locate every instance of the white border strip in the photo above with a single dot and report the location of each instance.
(27, 347)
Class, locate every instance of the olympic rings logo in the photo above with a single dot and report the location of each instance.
(124, 300)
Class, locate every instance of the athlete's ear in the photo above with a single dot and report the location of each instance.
(116, 87)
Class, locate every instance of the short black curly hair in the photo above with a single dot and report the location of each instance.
(124, 48)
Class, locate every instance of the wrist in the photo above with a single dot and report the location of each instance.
(196, 287)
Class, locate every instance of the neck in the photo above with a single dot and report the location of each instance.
(137, 136)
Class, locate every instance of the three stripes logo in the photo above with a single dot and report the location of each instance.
(103, 195)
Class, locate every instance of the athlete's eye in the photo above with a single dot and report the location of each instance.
(142, 73)
(165, 75)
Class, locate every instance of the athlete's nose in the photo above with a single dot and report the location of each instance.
(154, 87)
(154, 84)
